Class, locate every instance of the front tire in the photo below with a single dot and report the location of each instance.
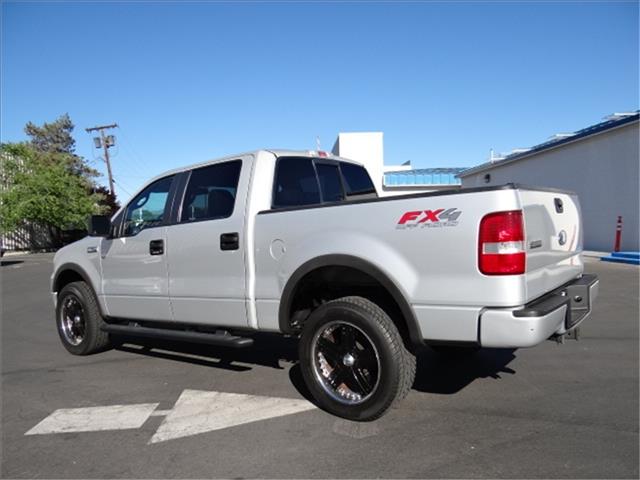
(78, 319)
(353, 359)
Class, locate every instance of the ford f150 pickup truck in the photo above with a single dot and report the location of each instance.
(300, 243)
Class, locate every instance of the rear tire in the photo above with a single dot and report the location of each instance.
(79, 320)
(353, 359)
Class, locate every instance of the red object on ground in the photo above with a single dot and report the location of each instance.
(616, 247)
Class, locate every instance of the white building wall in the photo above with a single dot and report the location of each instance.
(602, 169)
(366, 148)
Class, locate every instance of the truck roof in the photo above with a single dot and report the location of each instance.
(275, 151)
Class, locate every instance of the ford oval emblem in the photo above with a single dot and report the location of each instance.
(562, 237)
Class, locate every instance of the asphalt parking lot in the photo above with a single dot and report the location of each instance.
(552, 411)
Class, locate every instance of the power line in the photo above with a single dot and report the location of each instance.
(129, 145)
(134, 164)
(123, 189)
(140, 166)
(144, 177)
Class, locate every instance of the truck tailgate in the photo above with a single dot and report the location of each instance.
(553, 239)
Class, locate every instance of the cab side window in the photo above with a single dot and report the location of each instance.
(295, 183)
(357, 181)
(148, 208)
(211, 192)
(330, 183)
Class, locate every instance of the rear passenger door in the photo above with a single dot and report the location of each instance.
(206, 249)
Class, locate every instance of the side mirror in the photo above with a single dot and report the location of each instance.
(99, 226)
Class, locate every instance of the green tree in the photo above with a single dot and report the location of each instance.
(42, 192)
(54, 144)
(108, 201)
(53, 137)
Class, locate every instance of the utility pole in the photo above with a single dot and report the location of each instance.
(105, 141)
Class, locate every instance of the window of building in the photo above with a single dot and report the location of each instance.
(211, 192)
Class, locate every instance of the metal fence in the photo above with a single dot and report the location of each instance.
(28, 237)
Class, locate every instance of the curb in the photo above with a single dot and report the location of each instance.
(594, 254)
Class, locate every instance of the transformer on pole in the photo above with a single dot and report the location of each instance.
(106, 142)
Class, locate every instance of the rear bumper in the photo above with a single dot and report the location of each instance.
(556, 313)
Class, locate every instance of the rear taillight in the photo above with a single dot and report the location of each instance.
(501, 244)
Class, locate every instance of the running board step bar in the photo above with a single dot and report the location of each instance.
(220, 338)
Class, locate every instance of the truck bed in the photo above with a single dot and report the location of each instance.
(433, 261)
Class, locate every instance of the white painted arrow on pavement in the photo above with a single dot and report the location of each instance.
(198, 412)
(93, 419)
(195, 412)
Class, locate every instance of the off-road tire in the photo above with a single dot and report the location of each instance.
(397, 365)
(94, 339)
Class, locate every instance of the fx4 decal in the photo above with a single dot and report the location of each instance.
(429, 218)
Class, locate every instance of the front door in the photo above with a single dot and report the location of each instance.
(134, 262)
(206, 249)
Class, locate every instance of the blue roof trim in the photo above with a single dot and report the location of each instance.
(585, 132)
(423, 176)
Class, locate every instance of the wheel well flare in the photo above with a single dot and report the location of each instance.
(66, 276)
(335, 276)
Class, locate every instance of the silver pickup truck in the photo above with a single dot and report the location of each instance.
(301, 244)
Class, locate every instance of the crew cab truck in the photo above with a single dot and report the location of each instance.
(300, 243)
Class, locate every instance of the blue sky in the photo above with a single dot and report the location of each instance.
(445, 82)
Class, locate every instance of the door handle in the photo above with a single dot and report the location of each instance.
(229, 241)
(156, 247)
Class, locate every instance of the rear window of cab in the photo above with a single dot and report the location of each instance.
(301, 181)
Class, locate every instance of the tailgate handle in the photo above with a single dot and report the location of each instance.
(558, 203)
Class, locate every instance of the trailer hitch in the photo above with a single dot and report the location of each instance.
(573, 334)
